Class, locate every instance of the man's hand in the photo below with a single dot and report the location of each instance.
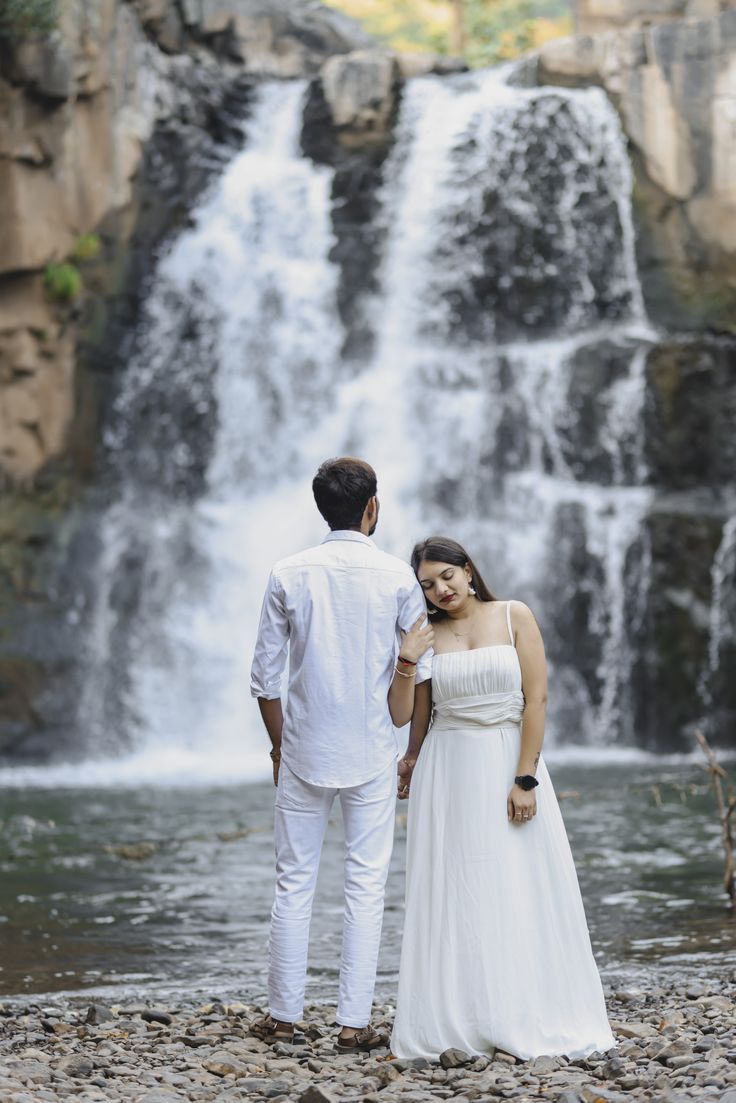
(275, 762)
(405, 770)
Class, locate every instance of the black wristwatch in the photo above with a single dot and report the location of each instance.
(526, 781)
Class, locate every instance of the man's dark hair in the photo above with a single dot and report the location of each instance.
(342, 488)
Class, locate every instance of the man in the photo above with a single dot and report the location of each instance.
(341, 610)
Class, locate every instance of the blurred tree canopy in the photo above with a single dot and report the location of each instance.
(482, 32)
(26, 18)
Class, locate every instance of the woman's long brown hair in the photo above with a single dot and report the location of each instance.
(441, 549)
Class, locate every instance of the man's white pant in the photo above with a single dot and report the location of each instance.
(302, 812)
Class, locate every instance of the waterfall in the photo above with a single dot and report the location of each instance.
(502, 403)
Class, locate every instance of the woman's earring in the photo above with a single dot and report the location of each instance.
(431, 612)
(471, 590)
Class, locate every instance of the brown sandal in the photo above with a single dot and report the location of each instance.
(269, 1030)
(363, 1041)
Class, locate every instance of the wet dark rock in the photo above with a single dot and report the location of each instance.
(355, 209)
(576, 609)
(672, 640)
(155, 1015)
(504, 270)
(597, 446)
(690, 413)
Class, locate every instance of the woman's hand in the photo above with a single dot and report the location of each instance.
(406, 768)
(521, 805)
(416, 641)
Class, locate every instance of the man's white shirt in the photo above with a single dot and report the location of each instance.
(336, 610)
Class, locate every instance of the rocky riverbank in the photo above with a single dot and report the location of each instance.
(673, 1044)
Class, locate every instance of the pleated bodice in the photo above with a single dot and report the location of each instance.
(477, 688)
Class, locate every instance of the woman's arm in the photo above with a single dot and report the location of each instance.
(401, 692)
(419, 726)
(522, 804)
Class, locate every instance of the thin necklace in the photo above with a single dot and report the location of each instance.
(459, 635)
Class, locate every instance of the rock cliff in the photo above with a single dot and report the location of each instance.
(593, 16)
(674, 84)
(77, 110)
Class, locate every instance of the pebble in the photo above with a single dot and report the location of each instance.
(675, 1045)
(154, 1015)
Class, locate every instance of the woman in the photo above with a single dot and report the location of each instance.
(496, 951)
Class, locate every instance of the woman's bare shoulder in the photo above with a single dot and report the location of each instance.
(520, 613)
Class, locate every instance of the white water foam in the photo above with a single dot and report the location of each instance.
(426, 410)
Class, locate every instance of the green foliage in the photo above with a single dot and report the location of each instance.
(26, 18)
(85, 248)
(493, 30)
(62, 282)
(504, 29)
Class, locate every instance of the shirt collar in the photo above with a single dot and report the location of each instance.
(348, 534)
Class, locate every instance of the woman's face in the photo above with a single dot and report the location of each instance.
(445, 585)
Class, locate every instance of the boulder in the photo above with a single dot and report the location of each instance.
(283, 38)
(360, 90)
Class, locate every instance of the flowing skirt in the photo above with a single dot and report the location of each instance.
(496, 951)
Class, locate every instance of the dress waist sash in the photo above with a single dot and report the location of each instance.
(496, 710)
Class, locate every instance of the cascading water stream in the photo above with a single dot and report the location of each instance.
(508, 305)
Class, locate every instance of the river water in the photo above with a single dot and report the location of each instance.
(192, 917)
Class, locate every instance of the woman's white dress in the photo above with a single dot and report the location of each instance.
(496, 951)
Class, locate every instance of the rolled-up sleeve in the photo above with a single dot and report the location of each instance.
(272, 644)
(413, 607)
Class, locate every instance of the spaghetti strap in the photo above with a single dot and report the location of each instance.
(508, 621)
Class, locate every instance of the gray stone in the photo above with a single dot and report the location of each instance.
(403, 1064)
(454, 1058)
(155, 1015)
(386, 1073)
(542, 1066)
(360, 90)
(97, 1013)
(194, 1041)
(38, 1072)
(157, 1095)
(317, 1094)
(613, 1069)
(504, 1058)
(224, 1064)
(673, 1050)
(76, 1064)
